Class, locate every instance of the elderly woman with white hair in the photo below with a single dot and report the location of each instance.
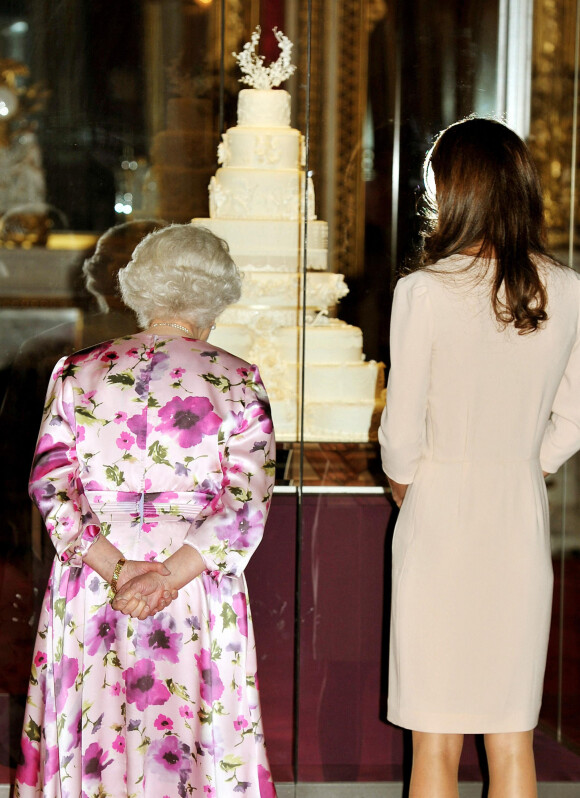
(153, 472)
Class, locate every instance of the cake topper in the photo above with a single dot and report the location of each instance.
(257, 75)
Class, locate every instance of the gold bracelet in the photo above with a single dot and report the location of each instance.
(116, 573)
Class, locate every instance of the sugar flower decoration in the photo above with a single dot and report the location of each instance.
(257, 75)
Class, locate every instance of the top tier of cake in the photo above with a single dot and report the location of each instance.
(261, 176)
(264, 108)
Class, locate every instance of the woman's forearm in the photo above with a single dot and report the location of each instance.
(186, 564)
(102, 557)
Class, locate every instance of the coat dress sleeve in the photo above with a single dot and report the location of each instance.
(55, 485)
(562, 436)
(229, 529)
(403, 422)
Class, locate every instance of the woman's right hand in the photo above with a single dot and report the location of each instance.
(145, 593)
(135, 568)
(398, 491)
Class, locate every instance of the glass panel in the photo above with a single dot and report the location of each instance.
(554, 128)
(124, 125)
(344, 641)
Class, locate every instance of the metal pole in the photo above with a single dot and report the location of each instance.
(299, 492)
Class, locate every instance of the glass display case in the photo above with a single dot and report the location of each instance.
(131, 112)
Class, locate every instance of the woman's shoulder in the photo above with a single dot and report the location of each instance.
(435, 278)
(561, 281)
(431, 274)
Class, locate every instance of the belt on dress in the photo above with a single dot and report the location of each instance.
(148, 504)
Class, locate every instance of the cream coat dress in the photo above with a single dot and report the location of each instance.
(474, 414)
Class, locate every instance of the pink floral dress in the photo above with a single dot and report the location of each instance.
(154, 442)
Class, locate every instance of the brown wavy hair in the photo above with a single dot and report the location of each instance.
(488, 202)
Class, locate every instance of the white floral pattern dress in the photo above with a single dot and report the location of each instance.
(154, 442)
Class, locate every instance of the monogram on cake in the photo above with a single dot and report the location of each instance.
(259, 199)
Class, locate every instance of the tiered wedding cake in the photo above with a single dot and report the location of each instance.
(257, 204)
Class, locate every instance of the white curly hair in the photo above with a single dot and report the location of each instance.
(180, 271)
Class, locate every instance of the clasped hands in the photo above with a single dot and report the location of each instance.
(143, 589)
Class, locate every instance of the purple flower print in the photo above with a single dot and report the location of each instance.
(236, 468)
(119, 743)
(158, 639)
(158, 365)
(125, 441)
(75, 729)
(143, 689)
(193, 622)
(211, 687)
(119, 416)
(240, 605)
(116, 689)
(49, 455)
(163, 723)
(51, 763)
(185, 711)
(168, 754)
(177, 373)
(93, 485)
(240, 424)
(28, 770)
(101, 629)
(262, 412)
(242, 786)
(65, 674)
(212, 740)
(189, 419)
(209, 791)
(147, 527)
(244, 530)
(89, 355)
(241, 723)
(94, 761)
(154, 370)
(72, 581)
(86, 398)
(139, 427)
(66, 522)
(265, 781)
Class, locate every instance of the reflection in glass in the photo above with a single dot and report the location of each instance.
(127, 104)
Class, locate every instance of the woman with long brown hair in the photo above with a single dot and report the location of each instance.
(483, 399)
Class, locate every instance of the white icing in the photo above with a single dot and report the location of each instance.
(276, 245)
(284, 289)
(251, 148)
(252, 194)
(333, 342)
(263, 108)
(257, 205)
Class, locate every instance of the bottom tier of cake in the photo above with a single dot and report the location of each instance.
(341, 389)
